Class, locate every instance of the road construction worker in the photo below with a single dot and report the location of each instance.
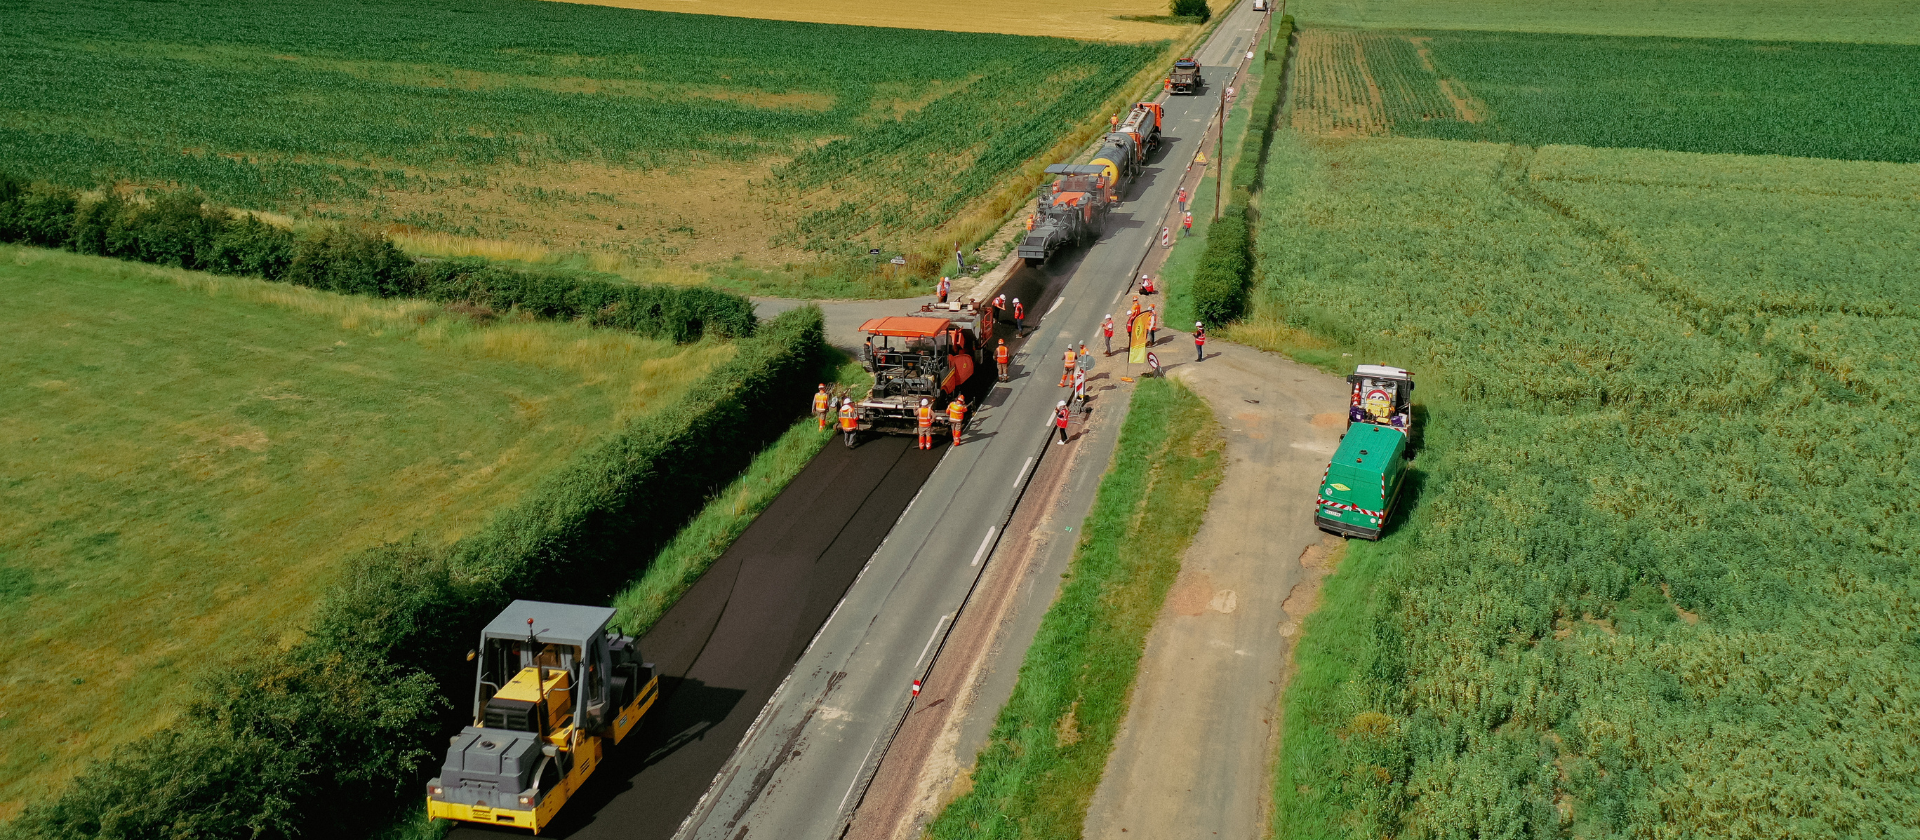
(1083, 359)
(1147, 286)
(1153, 326)
(1106, 331)
(944, 287)
(1132, 313)
(1003, 357)
(1113, 123)
(1060, 421)
(1199, 342)
(1066, 374)
(1182, 195)
(957, 416)
(1019, 317)
(1030, 218)
(924, 414)
(820, 406)
(849, 422)
(1186, 225)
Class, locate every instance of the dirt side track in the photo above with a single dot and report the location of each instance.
(727, 644)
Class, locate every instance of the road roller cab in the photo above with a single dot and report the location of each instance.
(554, 689)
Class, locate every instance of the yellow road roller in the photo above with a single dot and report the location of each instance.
(555, 689)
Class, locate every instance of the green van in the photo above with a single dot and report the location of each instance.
(1358, 490)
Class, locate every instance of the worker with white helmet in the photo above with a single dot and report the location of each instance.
(1199, 342)
(1060, 422)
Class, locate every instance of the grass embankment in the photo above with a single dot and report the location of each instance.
(1658, 579)
(538, 129)
(188, 457)
(1050, 743)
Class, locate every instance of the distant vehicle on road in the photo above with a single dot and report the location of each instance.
(1185, 77)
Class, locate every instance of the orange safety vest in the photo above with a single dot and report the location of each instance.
(925, 413)
(820, 401)
(1002, 355)
(957, 411)
(1019, 311)
(1069, 360)
(848, 422)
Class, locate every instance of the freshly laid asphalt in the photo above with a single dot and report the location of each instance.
(725, 646)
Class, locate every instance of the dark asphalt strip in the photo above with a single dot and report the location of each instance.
(727, 644)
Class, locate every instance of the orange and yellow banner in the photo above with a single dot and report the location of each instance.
(1137, 342)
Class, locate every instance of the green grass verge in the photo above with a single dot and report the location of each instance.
(1050, 743)
(1858, 21)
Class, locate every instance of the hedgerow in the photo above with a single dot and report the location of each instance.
(356, 711)
(182, 229)
(1221, 280)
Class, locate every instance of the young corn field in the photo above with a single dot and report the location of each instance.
(1657, 575)
(658, 134)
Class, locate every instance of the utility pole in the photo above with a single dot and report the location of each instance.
(1219, 150)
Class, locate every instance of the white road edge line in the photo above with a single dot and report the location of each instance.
(984, 545)
(1056, 305)
(931, 639)
(856, 778)
(1022, 477)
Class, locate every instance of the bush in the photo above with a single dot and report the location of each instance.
(357, 711)
(181, 229)
(1220, 282)
(1191, 8)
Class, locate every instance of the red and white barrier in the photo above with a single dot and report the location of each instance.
(1166, 238)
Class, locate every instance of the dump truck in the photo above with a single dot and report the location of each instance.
(1381, 395)
(1361, 483)
(930, 355)
(1070, 211)
(1185, 77)
(555, 688)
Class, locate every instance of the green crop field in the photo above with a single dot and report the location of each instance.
(1855, 21)
(645, 134)
(184, 458)
(1807, 99)
(1657, 574)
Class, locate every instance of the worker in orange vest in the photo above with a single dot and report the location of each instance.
(849, 422)
(1067, 374)
(820, 406)
(1003, 357)
(957, 416)
(1106, 330)
(1186, 225)
(1132, 313)
(1019, 318)
(1153, 325)
(924, 414)
(944, 287)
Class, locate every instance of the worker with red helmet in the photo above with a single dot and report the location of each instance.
(924, 414)
(957, 416)
(1003, 357)
(820, 406)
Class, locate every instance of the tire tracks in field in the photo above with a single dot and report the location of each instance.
(1713, 318)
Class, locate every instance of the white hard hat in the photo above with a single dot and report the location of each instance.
(1016, 300)
(924, 399)
(1063, 404)
(1196, 323)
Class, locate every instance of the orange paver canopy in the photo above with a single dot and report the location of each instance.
(906, 326)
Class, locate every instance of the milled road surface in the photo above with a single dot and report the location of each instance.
(806, 761)
(1192, 757)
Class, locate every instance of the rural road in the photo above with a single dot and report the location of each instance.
(806, 760)
(1192, 756)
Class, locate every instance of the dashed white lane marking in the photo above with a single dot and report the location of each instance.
(985, 543)
(1016, 486)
